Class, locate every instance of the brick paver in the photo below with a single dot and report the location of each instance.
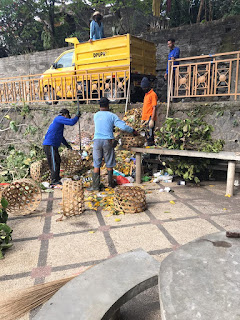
(45, 249)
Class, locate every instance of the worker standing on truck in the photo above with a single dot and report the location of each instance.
(174, 53)
(96, 27)
(149, 114)
(52, 141)
(103, 145)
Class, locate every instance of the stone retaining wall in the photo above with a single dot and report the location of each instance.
(224, 116)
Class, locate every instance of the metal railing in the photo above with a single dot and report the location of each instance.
(55, 86)
(214, 75)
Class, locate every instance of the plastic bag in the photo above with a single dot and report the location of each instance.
(121, 180)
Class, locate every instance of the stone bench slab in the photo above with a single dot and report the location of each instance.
(100, 291)
(201, 280)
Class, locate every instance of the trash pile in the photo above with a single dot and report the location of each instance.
(133, 118)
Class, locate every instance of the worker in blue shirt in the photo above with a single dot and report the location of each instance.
(103, 145)
(52, 141)
(173, 54)
(96, 27)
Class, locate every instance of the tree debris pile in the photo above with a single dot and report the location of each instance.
(188, 134)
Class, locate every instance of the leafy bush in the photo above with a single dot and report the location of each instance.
(5, 230)
(16, 164)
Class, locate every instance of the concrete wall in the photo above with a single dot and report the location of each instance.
(223, 116)
(31, 63)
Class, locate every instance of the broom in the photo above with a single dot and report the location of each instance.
(19, 303)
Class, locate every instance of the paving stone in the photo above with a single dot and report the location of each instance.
(126, 219)
(87, 220)
(77, 248)
(188, 230)
(31, 227)
(22, 257)
(147, 237)
(228, 224)
(165, 211)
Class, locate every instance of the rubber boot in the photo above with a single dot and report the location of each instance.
(111, 182)
(96, 182)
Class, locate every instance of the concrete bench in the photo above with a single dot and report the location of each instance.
(231, 157)
(99, 292)
(200, 280)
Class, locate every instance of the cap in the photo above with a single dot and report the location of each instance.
(104, 102)
(96, 13)
(145, 83)
(64, 111)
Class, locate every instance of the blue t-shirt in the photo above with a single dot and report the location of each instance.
(54, 136)
(104, 123)
(96, 31)
(175, 52)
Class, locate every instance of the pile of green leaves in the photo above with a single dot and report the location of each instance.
(15, 164)
(192, 169)
(188, 134)
(5, 230)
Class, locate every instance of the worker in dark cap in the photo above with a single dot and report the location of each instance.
(103, 146)
(149, 114)
(52, 141)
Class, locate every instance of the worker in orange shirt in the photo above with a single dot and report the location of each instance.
(149, 112)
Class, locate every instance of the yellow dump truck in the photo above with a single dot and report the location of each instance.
(111, 67)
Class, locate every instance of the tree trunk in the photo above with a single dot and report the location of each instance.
(200, 11)
(210, 11)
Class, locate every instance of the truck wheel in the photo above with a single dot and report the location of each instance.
(49, 96)
(113, 98)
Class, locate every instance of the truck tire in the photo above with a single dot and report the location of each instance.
(118, 94)
(48, 97)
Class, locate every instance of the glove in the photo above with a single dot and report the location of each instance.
(114, 143)
(78, 114)
(135, 133)
(69, 147)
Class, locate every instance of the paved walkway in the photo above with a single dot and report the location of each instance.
(46, 250)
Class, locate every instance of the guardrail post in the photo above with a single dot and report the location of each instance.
(138, 167)
(237, 73)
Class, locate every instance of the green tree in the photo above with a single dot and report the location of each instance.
(19, 31)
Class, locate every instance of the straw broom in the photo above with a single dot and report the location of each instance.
(19, 303)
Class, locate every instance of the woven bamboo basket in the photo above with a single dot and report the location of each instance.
(71, 161)
(73, 198)
(23, 196)
(130, 199)
(128, 140)
(39, 170)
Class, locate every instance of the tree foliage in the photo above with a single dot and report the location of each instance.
(34, 25)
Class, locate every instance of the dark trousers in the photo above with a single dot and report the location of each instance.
(54, 161)
(150, 136)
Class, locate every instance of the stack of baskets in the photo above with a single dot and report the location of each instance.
(130, 199)
(73, 198)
